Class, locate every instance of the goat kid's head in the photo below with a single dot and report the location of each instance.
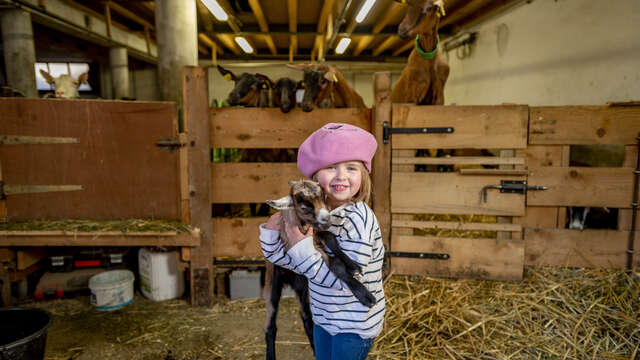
(251, 90)
(64, 85)
(318, 84)
(422, 17)
(284, 94)
(306, 200)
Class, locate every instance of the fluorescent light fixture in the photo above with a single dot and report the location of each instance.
(244, 44)
(364, 10)
(342, 45)
(216, 9)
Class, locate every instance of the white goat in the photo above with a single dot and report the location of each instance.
(64, 85)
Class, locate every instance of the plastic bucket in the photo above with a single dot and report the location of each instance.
(111, 290)
(23, 333)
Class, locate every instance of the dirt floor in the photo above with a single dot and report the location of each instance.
(170, 330)
(553, 313)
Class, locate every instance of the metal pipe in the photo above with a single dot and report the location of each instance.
(634, 210)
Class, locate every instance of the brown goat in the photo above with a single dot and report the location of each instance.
(423, 79)
(325, 87)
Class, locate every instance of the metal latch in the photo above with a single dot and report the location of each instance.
(387, 131)
(511, 187)
(170, 143)
(413, 255)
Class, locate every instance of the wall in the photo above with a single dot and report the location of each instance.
(552, 52)
(358, 75)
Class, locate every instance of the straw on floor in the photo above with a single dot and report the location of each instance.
(553, 313)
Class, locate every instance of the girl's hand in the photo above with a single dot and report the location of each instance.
(295, 235)
(274, 222)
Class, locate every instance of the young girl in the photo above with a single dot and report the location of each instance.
(338, 157)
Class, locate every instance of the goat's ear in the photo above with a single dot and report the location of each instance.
(284, 203)
(266, 79)
(47, 76)
(331, 74)
(226, 74)
(302, 67)
(83, 78)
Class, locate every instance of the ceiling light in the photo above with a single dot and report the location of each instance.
(244, 44)
(216, 9)
(364, 10)
(342, 45)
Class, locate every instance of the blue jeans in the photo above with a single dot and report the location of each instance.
(346, 346)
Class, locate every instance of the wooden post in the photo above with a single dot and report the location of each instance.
(196, 125)
(504, 235)
(3, 202)
(382, 161)
(107, 15)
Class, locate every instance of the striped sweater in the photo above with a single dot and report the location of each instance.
(333, 305)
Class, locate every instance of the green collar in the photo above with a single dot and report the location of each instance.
(430, 54)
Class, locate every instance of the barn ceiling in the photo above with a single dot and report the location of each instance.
(296, 29)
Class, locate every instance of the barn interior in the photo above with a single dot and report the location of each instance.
(150, 167)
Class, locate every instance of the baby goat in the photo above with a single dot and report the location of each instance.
(306, 208)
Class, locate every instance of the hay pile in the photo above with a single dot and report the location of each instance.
(129, 225)
(552, 314)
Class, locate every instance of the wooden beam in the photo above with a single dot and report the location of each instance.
(130, 15)
(227, 40)
(209, 42)
(389, 14)
(327, 7)
(381, 171)
(107, 15)
(293, 28)
(460, 14)
(196, 126)
(262, 23)
(406, 46)
(389, 42)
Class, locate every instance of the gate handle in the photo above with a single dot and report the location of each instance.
(511, 186)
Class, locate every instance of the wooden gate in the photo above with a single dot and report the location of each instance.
(424, 202)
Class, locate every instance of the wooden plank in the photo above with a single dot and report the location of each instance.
(503, 170)
(123, 173)
(542, 155)
(97, 239)
(575, 248)
(581, 186)
(460, 160)
(7, 254)
(237, 237)
(477, 127)
(571, 125)
(538, 216)
(196, 125)
(455, 225)
(251, 182)
(494, 172)
(29, 257)
(630, 156)
(270, 128)
(469, 258)
(450, 193)
(381, 167)
(183, 160)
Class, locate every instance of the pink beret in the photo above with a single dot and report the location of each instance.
(334, 143)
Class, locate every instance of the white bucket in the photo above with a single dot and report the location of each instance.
(160, 275)
(111, 290)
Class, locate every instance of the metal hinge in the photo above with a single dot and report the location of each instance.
(413, 255)
(170, 143)
(511, 187)
(387, 131)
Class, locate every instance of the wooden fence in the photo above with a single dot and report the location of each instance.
(532, 144)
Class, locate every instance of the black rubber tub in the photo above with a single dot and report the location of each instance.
(23, 333)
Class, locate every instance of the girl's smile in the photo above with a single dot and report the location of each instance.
(341, 181)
